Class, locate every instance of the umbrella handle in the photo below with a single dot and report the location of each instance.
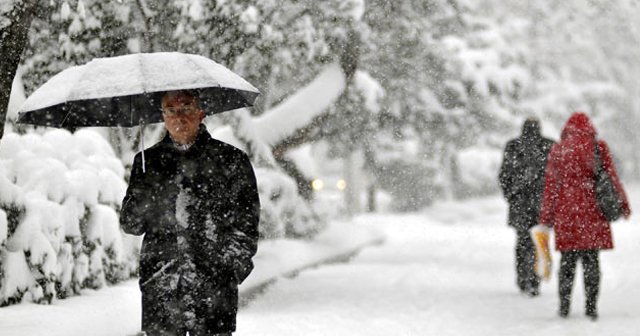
(142, 144)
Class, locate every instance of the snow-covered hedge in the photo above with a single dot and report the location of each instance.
(283, 212)
(59, 199)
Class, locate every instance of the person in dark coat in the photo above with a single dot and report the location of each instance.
(195, 200)
(569, 206)
(521, 180)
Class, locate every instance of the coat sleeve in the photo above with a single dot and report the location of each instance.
(242, 240)
(505, 177)
(135, 202)
(609, 167)
(550, 191)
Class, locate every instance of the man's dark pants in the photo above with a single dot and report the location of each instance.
(527, 279)
(167, 297)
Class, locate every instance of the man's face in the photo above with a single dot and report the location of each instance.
(182, 117)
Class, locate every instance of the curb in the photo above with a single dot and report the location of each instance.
(245, 295)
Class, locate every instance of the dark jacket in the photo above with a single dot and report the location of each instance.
(569, 202)
(199, 213)
(522, 175)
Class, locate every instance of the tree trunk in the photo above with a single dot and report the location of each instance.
(352, 175)
(371, 198)
(13, 39)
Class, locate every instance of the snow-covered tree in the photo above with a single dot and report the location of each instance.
(580, 59)
(439, 98)
(455, 73)
(262, 42)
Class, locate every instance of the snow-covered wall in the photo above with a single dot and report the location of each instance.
(59, 230)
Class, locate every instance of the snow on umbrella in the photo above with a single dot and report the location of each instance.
(126, 90)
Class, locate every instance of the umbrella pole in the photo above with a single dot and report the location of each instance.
(142, 144)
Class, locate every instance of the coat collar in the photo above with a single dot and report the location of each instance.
(201, 139)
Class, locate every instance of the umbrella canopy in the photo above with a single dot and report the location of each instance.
(127, 90)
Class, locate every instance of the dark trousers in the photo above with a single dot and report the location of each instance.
(167, 303)
(591, 267)
(525, 259)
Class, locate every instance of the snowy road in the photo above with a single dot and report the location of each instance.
(445, 271)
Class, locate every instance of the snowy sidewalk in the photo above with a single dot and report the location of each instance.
(448, 270)
(115, 311)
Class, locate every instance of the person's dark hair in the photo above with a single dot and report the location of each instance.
(531, 127)
(191, 95)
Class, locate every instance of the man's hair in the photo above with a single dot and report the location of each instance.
(187, 96)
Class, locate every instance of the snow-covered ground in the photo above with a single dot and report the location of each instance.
(447, 270)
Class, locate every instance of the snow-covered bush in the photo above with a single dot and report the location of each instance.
(283, 212)
(59, 231)
(478, 168)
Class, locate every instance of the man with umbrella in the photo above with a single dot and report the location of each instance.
(197, 204)
(194, 198)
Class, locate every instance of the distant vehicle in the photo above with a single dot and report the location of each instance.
(328, 183)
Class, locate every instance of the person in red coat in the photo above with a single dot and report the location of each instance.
(569, 206)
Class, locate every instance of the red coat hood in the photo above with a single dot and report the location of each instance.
(578, 125)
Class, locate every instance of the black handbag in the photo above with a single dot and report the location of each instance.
(607, 197)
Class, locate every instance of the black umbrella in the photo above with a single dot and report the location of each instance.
(126, 90)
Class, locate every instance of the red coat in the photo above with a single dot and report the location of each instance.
(568, 201)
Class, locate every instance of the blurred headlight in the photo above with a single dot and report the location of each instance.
(317, 184)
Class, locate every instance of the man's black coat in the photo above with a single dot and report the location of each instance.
(199, 211)
(522, 175)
